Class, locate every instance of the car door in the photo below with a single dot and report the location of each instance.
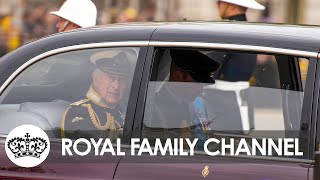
(314, 169)
(40, 92)
(273, 103)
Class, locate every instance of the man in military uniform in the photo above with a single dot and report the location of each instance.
(236, 10)
(99, 115)
(178, 104)
(75, 14)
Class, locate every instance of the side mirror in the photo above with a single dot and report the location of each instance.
(316, 166)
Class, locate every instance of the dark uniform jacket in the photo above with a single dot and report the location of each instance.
(91, 118)
(174, 118)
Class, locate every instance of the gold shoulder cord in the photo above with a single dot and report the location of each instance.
(110, 124)
(78, 103)
(63, 122)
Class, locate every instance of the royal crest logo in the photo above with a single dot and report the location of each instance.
(27, 146)
(205, 171)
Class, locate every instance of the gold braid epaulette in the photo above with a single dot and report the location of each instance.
(78, 103)
(62, 133)
(110, 124)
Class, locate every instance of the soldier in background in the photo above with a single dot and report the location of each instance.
(236, 9)
(99, 114)
(236, 66)
(75, 14)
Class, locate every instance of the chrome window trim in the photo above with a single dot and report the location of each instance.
(236, 47)
(66, 49)
(278, 159)
(52, 140)
(3, 138)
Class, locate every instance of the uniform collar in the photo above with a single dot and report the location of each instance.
(96, 99)
(239, 17)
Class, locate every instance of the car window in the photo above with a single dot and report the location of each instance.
(253, 95)
(84, 91)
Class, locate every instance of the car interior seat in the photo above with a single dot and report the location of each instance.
(50, 111)
(13, 119)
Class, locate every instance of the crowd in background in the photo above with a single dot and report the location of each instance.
(37, 22)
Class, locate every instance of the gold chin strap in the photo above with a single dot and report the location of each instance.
(64, 26)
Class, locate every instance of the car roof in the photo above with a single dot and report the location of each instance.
(304, 38)
(295, 37)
